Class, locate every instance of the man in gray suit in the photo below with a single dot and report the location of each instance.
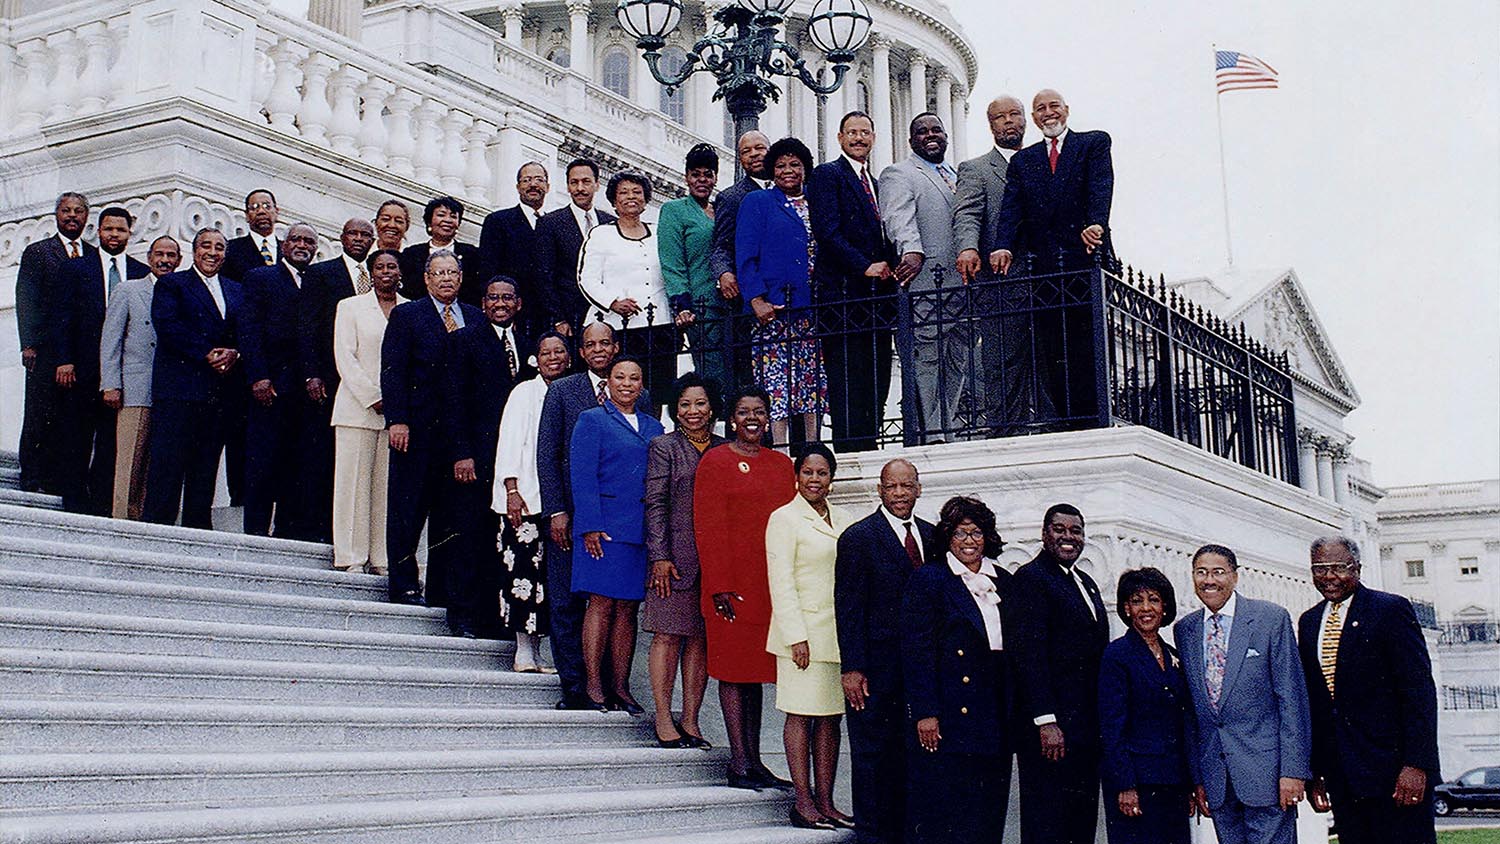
(1252, 732)
(127, 352)
(917, 198)
(1007, 376)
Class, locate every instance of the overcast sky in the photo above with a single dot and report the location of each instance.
(1374, 171)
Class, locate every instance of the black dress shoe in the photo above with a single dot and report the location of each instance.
(573, 702)
(619, 703)
(768, 779)
(596, 705)
(690, 740)
(671, 744)
(745, 781)
(807, 823)
(412, 597)
(840, 822)
(463, 633)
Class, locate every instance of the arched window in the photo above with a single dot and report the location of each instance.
(673, 105)
(614, 71)
(559, 56)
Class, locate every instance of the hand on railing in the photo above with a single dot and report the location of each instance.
(1092, 236)
(625, 307)
(1000, 261)
(764, 310)
(967, 265)
(911, 264)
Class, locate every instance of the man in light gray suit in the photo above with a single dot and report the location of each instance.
(127, 352)
(1251, 737)
(917, 198)
(1007, 377)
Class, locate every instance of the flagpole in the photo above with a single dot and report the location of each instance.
(1223, 171)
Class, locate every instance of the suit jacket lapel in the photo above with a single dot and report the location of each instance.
(614, 412)
(206, 299)
(959, 595)
(1239, 635)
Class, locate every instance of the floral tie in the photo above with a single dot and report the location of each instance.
(1218, 654)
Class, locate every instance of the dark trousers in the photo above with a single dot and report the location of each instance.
(85, 451)
(236, 420)
(1378, 820)
(39, 430)
(565, 612)
(878, 773)
(857, 357)
(1163, 818)
(1059, 800)
(958, 798)
(473, 602)
(656, 348)
(317, 474)
(1011, 396)
(419, 482)
(274, 467)
(185, 442)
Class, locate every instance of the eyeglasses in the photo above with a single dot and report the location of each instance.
(260, 206)
(1333, 568)
(444, 273)
(500, 297)
(969, 535)
(1214, 573)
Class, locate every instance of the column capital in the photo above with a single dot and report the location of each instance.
(579, 7)
(880, 41)
(917, 57)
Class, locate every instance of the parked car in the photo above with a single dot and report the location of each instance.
(1477, 789)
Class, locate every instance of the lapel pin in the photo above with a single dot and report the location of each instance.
(1354, 624)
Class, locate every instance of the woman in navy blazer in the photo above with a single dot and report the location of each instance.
(774, 253)
(608, 474)
(1143, 719)
(954, 668)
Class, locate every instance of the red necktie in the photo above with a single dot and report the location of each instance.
(603, 391)
(864, 179)
(911, 548)
(1052, 155)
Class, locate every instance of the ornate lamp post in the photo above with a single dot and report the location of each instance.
(743, 51)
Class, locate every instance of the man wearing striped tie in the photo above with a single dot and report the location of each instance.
(1373, 702)
(1250, 730)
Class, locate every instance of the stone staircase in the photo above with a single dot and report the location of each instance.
(173, 685)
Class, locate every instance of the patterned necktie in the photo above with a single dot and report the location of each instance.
(1218, 654)
(510, 353)
(1332, 630)
(114, 276)
(362, 284)
(73, 249)
(948, 176)
(265, 252)
(912, 550)
(603, 386)
(864, 179)
(1052, 156)
(449, 322)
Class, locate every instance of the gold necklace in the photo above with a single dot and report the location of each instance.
(699, 440)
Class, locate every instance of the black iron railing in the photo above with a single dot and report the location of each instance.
(1484, 631)
(1469, 697)
(1029, 353)
(1426, 614)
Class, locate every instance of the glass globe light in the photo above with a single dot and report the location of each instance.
(649, 20)
(839, 27)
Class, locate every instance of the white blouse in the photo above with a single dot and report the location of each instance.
(612, 266)
(515, 453)
(981, 588)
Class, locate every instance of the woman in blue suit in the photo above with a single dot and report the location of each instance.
(774, 254)
(1143, 719)
(608, 472)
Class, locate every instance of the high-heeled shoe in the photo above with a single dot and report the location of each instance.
(745, 781)
(624, 703)
(690, 740)
(769, 779)
(671, 744)
(596, 705)
(842, 823)
(801, 822)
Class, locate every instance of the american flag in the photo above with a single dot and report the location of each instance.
(1241, 72)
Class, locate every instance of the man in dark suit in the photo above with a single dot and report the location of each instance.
(567, 398)
(198, 317)
(853, 268)
(876, 555)
(559, 237)
(85, 454)
(750, 150)
(1007, 372)
(1373, 704)
(40, 284)
(442, 216)
(508, 240)
(273, 346)
(485, 360)
(412, 360)
(1060, 633)
(324, 285)
(257, 248)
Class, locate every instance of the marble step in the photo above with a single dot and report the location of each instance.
(107, 782)
(80, 631)
(12, 496)
(154, 726)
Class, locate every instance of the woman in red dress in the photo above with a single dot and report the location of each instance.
(737, 486)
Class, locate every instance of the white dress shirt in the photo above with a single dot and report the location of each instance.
(862, 168)
(1323, 623)
(352, 267)
(1005, 154)
(266, 244)
(105, 260)
(595, 381)
(70, 245)
(1088, 600)
(530, 215)
(1061, 142)
(507, 335)
(296, 273)
(215, 290)
(899, 526)
(586, 220)
(981, 586)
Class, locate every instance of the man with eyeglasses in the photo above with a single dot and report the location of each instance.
(1250, 730)
(486, 359)
(257, 248)
(508, 238)
(1373, 703)
(413, 355)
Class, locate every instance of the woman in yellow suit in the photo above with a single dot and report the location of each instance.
(801, 543)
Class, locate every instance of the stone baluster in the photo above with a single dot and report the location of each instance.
(314, 115)
(429, 152)
(514, 17)
(880, 100)
(94, 82)
(401, 147)
(478, 177)
(64, 89)
(265, 74)
(344, 125)
(284, 100)
(372, 133)
(451, 168)
(36, 62)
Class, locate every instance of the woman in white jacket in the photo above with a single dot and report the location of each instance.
(361, 456)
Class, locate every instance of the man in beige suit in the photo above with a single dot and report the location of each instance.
(361, 463)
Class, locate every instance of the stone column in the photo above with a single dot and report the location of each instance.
(942, 104)
(1340, 457)
(341, 16)
(917, 68)
(1307, 460)
(10, 9)
(580, 53)
(647, 90)
(880, 101)
(1325, 468)
(958, 135)
(512, 14)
